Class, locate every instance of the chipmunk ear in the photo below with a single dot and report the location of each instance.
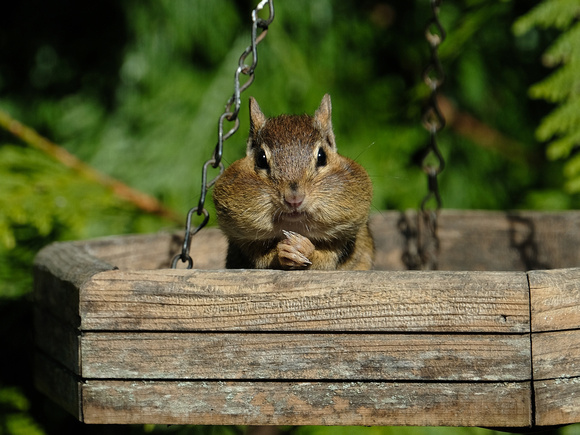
(257, 120)
(323, 120)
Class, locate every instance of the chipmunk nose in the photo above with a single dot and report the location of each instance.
(293, 195)
(294, 199)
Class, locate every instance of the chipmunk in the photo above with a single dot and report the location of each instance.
(293, 202)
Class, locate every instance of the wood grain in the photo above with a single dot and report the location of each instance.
(557, 401)
(555, 315)
(57, 339)
(555, 299)
(556, 355)
(383, 347)
(513, 240)
(156, 251)
(58, 383)
(269, 300)
(470, 240)
(360, 357)
(304, 403)
(60, 271)
(556, 369)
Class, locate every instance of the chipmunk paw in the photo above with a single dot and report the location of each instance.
(294, 251)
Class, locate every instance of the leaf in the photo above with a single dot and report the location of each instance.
(572, 167)
(562, 147)
(562, 124)
(549, 13)
(40, 193)
(561, 85)
(572, 172)
(563, 120)
(565, 49)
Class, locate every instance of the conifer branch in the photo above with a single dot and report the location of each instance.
(139, 199)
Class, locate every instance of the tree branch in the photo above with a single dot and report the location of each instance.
(139, 199)
(483, 135)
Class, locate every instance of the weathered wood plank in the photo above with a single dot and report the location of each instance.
(555, 308)
(58, 383)
(303, 403)
(57, 339)
(273, 356)
(270, 300)
(142, 251)
(416, 348)
(556, 355)
(513, 240)
(556, 369)
(60, 270)
(156, 251)
(555, 299)
(469, 240)
(557, 401)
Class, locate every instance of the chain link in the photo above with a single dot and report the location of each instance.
(433, 120)
(259, 31)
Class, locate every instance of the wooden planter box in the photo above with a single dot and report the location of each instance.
(122, 339)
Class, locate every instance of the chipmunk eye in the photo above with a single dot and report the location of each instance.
(262, 160)
(321, 160)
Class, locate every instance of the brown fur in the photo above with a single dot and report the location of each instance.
(325, 207)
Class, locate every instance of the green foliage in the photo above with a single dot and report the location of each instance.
(549, 13)
(42, 194)
(309, 430)
(43, 201)
(14, 418)
(562, 126)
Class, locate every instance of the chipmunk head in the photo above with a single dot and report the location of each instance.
(293, 179)
(291, 152)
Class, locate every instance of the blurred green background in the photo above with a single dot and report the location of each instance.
(134, 89)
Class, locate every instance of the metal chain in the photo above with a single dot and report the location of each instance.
(433, 121)
(230, 116)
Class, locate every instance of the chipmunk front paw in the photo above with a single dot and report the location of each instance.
(294, 251)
